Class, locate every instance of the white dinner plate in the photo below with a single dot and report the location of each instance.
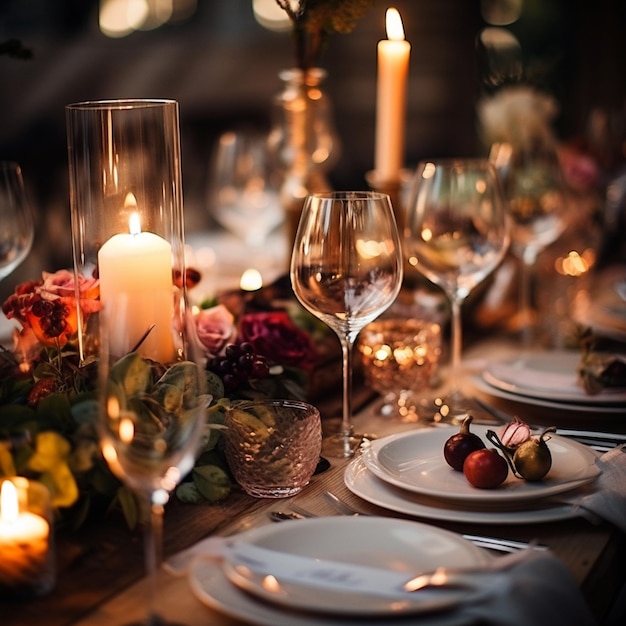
(562, 410)
(401, 546)
(362, 483)
(548, 376)
(414, 461)
(210, 585)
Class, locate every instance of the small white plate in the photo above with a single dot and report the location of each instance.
(401, 546)
(414, 461)
(548, 376)
(362, 483)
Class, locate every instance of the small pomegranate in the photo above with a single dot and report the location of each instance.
(459, 446)
(532, 459)
(486, 468)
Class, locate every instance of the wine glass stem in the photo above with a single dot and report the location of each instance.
(153, 543)
(525, 301)
(346, 421)
(456, 339)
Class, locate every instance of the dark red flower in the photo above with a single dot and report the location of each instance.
(275, 336)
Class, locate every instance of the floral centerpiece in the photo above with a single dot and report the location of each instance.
(48, 400)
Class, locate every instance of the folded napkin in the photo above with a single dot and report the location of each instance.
(539, 590)
(608, 500)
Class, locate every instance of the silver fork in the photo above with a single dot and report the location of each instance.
(493, 543)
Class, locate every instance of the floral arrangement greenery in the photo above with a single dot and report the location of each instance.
(313, 21)
(48, 399)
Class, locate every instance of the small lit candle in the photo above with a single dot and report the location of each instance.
(136, 290)
(251, 280)
(24, 543)
(393, 66)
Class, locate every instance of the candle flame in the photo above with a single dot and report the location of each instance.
(8, 502)
(134, 223)
(395, 29)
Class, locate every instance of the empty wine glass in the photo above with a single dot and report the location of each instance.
(534, 189)
(243, 192)
(456, 234)
(16, 220)
(346, 269)
(150, 424)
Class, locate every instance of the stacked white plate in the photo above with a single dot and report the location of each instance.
(407, 473)
(548, 379)
(256, 580)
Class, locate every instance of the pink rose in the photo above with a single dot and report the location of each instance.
(275, 336)
(215, 328)
(61, 285)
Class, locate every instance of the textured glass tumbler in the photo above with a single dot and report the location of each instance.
(127, 221)
(273, 446)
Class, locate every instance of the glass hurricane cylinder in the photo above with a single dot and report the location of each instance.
(127, 222)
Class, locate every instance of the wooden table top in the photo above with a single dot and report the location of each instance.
(99, 564)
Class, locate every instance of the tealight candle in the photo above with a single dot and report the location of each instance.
(136, 290)
(251, 280)
(26, 562)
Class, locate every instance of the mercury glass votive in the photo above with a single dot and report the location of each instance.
(127, 221)
(272, 446)
(27, 555)
(400, 360)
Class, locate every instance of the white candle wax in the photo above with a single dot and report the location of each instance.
(136, 290)
(24, 540)
(393, 67)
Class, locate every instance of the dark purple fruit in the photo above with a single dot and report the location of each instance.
(459, 446)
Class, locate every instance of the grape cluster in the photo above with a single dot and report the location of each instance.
(239, 364)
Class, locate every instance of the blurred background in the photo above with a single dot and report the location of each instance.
(221, 61)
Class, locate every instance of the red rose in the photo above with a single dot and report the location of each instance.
(275, 336)
(215, 328)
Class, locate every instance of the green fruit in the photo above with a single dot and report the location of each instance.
(532, 459)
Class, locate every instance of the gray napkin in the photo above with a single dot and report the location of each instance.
(608, 501)
(539, 590)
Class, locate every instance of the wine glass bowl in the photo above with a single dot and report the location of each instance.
(243, 192)
(537, 204)
(151, 421)
(16, 219)
(346, 269)
(456, 234)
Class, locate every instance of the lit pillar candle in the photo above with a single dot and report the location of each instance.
(24, 543)
(136, 291)
(393, 67)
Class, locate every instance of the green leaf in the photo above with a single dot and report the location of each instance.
(7, 467)
(133, 373)
(212, 482)
(56, 411)
(62, 485)
(215, 386)
(85, 411)
(188, 493)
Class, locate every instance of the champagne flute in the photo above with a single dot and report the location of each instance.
(151, 420)
(346, 269)
(534, 189)
(16, 220)
(456, 234)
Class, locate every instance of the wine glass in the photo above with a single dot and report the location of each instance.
(243, 192)
(346, 269)
(16, 220)
(150, 424)
(456, 234)
(534, 190)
